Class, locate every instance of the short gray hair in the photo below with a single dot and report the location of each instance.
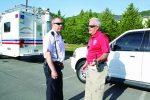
(96, 20)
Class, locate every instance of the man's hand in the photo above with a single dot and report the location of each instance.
(54, 74)
(93, 63)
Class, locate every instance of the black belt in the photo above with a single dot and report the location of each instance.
(57, 64)
(53, 61)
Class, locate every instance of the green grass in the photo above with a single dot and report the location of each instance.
(71, 47)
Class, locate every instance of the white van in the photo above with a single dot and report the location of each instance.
(21, 31)
(128, 60)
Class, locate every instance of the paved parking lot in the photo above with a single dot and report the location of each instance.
(24, 80)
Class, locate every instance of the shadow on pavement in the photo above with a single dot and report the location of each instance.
(30, 59)
(114, 91)
(35, 58)
(78, 96)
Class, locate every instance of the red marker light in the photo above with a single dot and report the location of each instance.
(16, 16)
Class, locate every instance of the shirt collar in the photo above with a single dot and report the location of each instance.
(56, 33)
(96, 34)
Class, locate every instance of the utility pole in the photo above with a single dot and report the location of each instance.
(26, 4)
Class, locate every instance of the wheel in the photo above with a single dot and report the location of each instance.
(80, 74)
(18, 58)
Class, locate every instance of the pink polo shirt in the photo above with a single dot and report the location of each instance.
(98, 44)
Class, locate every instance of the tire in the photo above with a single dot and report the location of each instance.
(80, 74)
(18, 58)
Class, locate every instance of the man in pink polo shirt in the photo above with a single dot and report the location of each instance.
(98, 51)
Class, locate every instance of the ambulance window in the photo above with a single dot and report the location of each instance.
(7, 27)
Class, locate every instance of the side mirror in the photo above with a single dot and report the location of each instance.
(114, 47)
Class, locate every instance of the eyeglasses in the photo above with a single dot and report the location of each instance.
(58, 23)
(92, 26)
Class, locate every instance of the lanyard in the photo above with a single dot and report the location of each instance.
(55, 44)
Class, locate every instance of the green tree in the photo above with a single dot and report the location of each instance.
(58, 14)
(130, 19)
(148, 23)
(76, 28)
(108, 24)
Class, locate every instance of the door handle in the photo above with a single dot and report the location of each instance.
(132, 56)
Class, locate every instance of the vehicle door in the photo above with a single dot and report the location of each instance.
(125, 59)
(31, 33)
(26, 29)
(38, 36)
(146, 57)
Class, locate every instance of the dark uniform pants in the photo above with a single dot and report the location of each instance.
(54, 89)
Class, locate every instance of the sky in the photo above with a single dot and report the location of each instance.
(70, 8)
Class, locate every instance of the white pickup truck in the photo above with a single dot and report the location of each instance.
(128, 60)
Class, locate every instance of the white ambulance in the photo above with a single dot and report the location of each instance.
(22, 29)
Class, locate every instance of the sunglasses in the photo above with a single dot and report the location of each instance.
(58, 23)
(92, 26)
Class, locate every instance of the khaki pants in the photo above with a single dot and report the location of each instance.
(95, 82)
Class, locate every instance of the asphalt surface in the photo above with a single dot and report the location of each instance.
(24, 80)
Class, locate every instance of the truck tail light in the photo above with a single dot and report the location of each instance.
(21, 43)
(16, 16)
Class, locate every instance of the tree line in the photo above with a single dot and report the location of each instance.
(76, 27)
